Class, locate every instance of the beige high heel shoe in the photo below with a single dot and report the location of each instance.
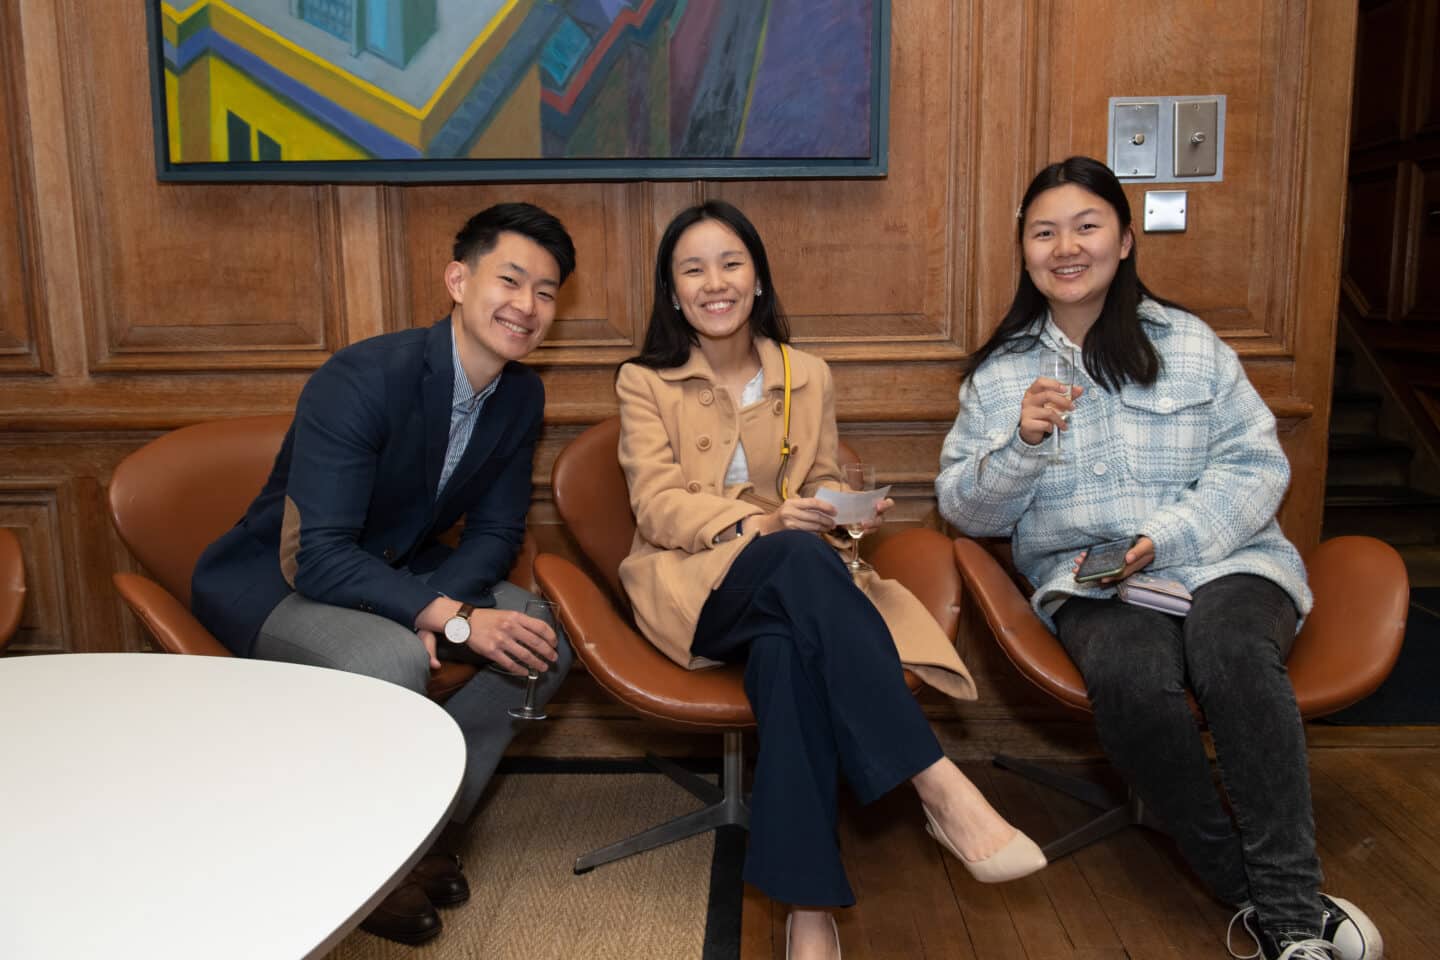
(1018, 858)
(833, 926)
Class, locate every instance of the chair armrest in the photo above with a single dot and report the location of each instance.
(1353, 635)
(174, 628)
(1020, 633)
(629, 667)
(12, 585)
(920, 559)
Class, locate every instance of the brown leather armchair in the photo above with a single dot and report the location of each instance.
(174, 496)
(12, 585)
(591, 496)
(1346, 648)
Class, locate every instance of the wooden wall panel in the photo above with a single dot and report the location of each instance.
(1382, 38)
(184, 277)
(1371, 241)
(1232, 263)
(1422, 295)
(23, 340)
(599, 308)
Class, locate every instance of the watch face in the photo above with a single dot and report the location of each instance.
(457, 629)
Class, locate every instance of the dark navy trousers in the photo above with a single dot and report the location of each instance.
(830, 700)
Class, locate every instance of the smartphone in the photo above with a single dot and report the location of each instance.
(1104, 560)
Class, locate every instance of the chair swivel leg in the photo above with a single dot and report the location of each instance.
(1131, 812)
(727, 808)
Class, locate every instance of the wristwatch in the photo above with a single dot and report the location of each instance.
(457, 628)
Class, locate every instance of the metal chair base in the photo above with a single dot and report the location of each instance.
(1115, 818)
(725, 807)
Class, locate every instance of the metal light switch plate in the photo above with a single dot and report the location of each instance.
(1165, 211)
(1135, 146)
(1197, 137)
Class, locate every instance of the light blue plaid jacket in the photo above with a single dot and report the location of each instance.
(1191, 462)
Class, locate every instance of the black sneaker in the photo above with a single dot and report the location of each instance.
(1346, 934)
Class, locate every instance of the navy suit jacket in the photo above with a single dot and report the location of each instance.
(349, 514)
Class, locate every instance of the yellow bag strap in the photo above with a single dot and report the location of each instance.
(781, 484)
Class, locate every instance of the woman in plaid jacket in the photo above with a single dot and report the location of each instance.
(1165, 441)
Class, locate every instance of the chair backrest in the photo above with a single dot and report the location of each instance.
(174, 496)
(1353, 635)
(594, 501)
(12, 585)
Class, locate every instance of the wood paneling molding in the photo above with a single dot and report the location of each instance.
(24, 340)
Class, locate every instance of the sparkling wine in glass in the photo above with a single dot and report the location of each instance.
(859, 478)
(540, 610)
(1059, 365)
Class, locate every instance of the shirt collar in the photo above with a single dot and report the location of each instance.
(464, 397)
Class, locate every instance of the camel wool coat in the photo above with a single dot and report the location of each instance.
(678, 432)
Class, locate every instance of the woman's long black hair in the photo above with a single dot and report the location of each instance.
(669, 336)
(1117, 350)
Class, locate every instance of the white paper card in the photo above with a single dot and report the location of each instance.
(853, 507)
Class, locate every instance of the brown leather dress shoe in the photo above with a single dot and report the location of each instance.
(406, 916)
(442, 878)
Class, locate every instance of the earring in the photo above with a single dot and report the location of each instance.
(675, 302)
(758, 291)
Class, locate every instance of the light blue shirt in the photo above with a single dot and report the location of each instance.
(465, 406)
(1192, 462)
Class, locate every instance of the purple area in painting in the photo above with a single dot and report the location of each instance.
(812, 93)
(689, 48)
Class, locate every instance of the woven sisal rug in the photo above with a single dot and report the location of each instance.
(527, 904)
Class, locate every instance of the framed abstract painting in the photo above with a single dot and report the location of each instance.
(460, 90)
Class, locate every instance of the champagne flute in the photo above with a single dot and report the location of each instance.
(1059, 365)
(859, 477)
(540, 610)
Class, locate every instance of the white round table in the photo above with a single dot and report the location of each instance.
(168, 806)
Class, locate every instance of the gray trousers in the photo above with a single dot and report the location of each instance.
(303, 631)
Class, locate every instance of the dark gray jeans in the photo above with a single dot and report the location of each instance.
(319, 635)
(1230, 651)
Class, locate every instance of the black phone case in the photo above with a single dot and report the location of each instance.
(1103, 560)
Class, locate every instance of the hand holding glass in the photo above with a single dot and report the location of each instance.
(1059, 365)
(540, 610)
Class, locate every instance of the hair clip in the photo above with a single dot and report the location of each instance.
(1019, 211)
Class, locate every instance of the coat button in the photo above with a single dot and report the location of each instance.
(707, 397)
(703, 443)
(1099, 469)
(693, 486)
(389, 554)
(778, 407)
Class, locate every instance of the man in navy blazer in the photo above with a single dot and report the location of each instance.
(337, 563)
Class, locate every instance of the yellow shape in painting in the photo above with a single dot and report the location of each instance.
(299, 137)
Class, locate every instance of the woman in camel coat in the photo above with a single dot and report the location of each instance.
(730, 564)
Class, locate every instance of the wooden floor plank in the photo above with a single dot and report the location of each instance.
(756, 931)
(1390, 788)
(1043, 933)
(905, 906)
(1110, 867)
(1368, 863)
(1129, 897)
